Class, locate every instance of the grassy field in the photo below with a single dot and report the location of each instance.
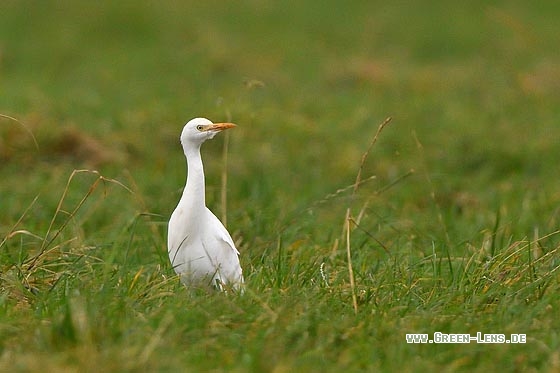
(454, 229)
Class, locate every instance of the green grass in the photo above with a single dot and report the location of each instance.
(457, 233)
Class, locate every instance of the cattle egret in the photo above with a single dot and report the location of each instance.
(200, 248)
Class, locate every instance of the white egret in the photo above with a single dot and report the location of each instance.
(200, 248)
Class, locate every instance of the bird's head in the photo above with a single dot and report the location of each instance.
(198, 130)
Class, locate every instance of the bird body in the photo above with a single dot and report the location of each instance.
(200, 248)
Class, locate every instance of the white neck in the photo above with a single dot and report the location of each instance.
(193, 198)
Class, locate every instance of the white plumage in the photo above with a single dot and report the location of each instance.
(200, 248)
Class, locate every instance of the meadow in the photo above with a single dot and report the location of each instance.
(446, 220)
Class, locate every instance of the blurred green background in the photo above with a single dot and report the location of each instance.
(475, 84)
(473, 89)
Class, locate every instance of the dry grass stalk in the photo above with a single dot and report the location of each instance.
(349, 218)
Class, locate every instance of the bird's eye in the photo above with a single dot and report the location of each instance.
(200, 127)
